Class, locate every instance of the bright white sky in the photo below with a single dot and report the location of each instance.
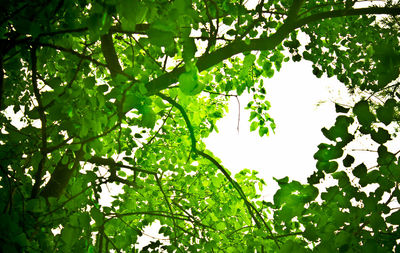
(301, 106)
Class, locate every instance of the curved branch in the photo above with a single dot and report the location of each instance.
(185, 117)
(252, 210)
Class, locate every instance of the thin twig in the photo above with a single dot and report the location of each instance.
(159, 129)
(238, 123)
(147, 52)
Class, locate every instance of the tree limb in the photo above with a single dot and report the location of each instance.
(61, 175)
(206, 61)
(108, 49)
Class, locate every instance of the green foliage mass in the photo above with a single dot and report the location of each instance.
(121, 93)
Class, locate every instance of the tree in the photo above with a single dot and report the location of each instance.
(123, 92)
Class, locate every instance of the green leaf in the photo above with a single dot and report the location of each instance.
(328, 152)
(282, 181)
(364, 116)
(333, 166)
(189, 83)
(68, 235)
(161, 38)
(253, 126)
(64, 160)
(121, 173)
(181, 5)
(189, 49)
(263, 131)
(360, 170)
(129, 10)
(381, 136)
(394, 218)
(348, 161)
(270, 73)
(385, 157)
(386, 113)
(248, 61)
(342, 238)
(97, 215)
(102, 88)
(148, 118)
(341, 109)
(220, 226)
(310, 233)
(89, 82)
(142, 88)
(83, 131)
(132, 101)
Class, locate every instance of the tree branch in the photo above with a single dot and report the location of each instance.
(206, 61)
(61, 175)
(294, 10)
(107, 47)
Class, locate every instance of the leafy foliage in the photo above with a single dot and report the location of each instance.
(121, 93)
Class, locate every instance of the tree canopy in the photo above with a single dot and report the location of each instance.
(107, 93)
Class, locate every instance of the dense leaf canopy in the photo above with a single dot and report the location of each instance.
(120, 93)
